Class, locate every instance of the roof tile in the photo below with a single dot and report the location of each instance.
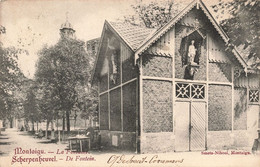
(133, 35)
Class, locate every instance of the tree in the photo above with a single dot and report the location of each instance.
(88, 103)
(59, 70)
(31, 106)
(242, 25)
(154, 14)
(10, 81)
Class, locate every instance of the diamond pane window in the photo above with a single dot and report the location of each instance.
(254, 95)
(197, 91)
(182, 90)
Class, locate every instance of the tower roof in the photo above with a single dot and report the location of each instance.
(66, 25)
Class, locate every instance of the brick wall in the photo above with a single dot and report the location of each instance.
(240, 105)
(219, 72)
(157, 106)
(220, 108)
(201, 73)
(157, 66)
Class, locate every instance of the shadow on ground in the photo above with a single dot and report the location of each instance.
(1, 153)
(4, 137)
(110, 151)
(26, 134)
(5, 143)
(47, 142)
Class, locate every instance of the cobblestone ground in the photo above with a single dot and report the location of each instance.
(56, 155)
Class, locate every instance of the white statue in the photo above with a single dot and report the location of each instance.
(192, 52)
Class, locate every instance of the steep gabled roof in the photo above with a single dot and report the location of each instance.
(131, 35)
(160, 32)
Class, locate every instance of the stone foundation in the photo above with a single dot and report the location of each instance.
(219, 140)
(118, 140)
(157, 142)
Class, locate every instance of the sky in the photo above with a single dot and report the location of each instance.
(30, 24)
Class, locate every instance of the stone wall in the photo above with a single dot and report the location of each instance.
(221, 140)
(220, 108)
(157, 106)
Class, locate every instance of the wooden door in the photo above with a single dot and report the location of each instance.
(182, 123)
(198, 126)
(190, 126)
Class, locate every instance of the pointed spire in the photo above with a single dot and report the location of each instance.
(67, 16)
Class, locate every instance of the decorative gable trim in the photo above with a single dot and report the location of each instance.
(198, 3)
(93, 74)
(159, 33)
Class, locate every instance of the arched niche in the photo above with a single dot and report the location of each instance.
(190, 51)
(186, 43)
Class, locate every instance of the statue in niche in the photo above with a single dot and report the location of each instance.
(190, 48)
(192, 52)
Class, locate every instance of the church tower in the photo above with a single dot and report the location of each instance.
(66, 30)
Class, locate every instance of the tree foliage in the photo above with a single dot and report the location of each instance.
(2, 29)
(154, 14)
(60, 69)
(31, 105)
(243, 25)
(11, 78)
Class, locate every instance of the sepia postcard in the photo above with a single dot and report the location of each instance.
(169, 83)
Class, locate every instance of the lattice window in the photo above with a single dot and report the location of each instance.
(182, 90)
(253, 96)
(190, 91)
(197, 91)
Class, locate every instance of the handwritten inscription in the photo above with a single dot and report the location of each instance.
(122, 159)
